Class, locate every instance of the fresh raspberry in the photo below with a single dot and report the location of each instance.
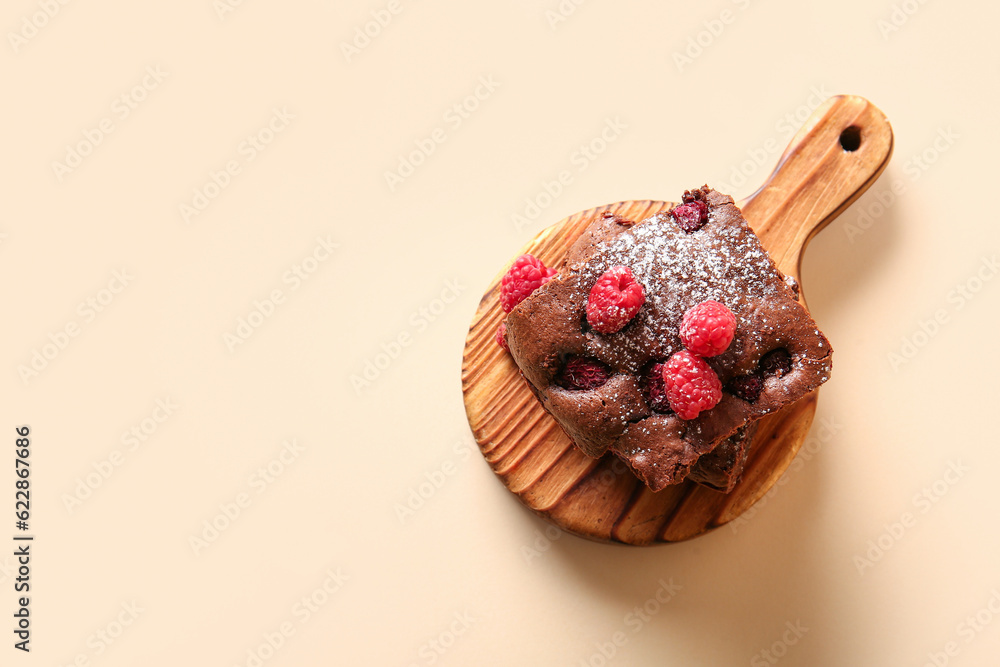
(747, 387)
(776, 362)
(524, 277)
(707, 329)
(583, 373)
(691, 385)
(691, 216)
(654, 390)
(502, 336)
(614, 300)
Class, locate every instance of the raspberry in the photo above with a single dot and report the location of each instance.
(747, 387)
(502, 336)
(776, 362)
(614, 300)
(654, 390)
(690, 216)
(707, 329)
(691, 385)
(525, 276)
(583, 373)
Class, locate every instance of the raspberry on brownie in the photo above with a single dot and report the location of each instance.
(708, 328)
(614, 300)
(694, 336)
(525, 276)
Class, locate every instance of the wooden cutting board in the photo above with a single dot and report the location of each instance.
(833, 159)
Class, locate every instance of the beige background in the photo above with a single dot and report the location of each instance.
(469, 577)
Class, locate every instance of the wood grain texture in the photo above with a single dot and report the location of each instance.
(815, 180)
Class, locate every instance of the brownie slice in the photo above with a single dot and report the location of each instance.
(776, 357)
(722, 467)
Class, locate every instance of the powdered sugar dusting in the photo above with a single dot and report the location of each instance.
(722, 261)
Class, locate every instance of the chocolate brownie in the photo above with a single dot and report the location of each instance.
(722, 467)
(777, 355)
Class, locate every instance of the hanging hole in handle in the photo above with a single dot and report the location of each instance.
(850, 139)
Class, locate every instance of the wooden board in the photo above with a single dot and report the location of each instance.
(833, 159)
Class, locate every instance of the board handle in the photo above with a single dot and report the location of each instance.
(830, 162)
